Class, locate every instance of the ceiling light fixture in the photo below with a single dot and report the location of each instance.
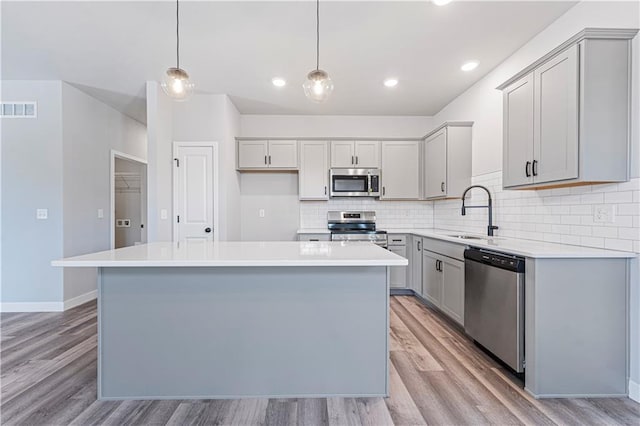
(318, 86)
(469, 66)
(440, 2)
(391, 82)
(176, 82)
(279, 82)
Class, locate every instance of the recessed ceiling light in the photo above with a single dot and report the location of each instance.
(440, 2)
(391, 82)
(469, 66)
(279, 82)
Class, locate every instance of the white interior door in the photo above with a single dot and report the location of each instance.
(193, 193)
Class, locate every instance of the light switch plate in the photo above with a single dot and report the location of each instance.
(163, 214)
(261, 212)
(604, 213)
(100, 213)
(42, 214)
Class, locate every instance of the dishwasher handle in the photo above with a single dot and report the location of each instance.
(494, 259)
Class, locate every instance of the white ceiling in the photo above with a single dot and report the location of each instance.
(110, 49)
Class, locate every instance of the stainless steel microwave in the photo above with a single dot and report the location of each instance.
(355, 182)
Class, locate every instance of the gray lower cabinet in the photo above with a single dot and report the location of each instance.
(399, 275)
(415, 263)
(443, 277)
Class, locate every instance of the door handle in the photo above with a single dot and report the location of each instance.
(527, 169)
(442, 187)
(534, 168)
(207, 230)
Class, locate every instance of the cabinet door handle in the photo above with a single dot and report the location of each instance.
(442, 186)
(325, 190)
(269, 159)
(419, 245)
(356, 159)
(527, 169)
(352, 159)
(535, 167)
(384, 190)
(437, 263)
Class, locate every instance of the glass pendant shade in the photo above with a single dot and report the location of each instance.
(318, 86)
(176, 84)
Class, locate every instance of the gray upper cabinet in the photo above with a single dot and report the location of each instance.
(518, 130)
(400, 170)
(447, 160)
(313, 177)
(566, 116)
(355, 154)
(267, 154)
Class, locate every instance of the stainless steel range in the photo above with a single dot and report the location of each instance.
(355, 226)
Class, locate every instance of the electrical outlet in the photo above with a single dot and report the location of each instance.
(42, 214)
(163, 214)
(605, 213)
(261, 212)
(100, 213)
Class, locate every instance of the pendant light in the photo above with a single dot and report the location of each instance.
(176, 82)
(318, 86)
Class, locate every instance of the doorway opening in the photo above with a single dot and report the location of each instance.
(128, 200)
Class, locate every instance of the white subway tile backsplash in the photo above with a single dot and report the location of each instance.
(563, 215)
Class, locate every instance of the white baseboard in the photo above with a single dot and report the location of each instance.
(31, 307)
(634, 390)
(79, 300)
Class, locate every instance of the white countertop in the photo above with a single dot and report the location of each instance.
(519, 247)
(272, 253)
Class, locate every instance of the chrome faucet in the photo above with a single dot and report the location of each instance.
(489, 207)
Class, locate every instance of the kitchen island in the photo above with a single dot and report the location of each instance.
(239, 319)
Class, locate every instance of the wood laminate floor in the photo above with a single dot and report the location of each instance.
(437, 376)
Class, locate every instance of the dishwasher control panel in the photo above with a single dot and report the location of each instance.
(499, 260)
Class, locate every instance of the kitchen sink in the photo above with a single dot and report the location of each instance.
(469, 237)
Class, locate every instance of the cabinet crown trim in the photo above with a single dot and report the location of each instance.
(587, 33)
(448, 124)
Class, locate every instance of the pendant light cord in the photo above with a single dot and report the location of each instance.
(317, 35)
(178, 34)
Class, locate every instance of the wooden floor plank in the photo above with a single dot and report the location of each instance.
(437, 376)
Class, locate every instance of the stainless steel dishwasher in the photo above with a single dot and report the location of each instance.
(494, 304)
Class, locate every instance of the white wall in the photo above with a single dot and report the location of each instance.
(159, 163)
(32, 179)
(59, 161)
(90, 130)
(335, 126)
(563, 215)
(204, 118)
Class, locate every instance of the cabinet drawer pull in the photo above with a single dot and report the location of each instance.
(527, 169)
(535, 167)
(396, 241)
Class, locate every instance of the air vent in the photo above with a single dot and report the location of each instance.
(18, 109)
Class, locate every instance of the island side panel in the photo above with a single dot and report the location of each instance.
(228, 332)
(576, 327)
